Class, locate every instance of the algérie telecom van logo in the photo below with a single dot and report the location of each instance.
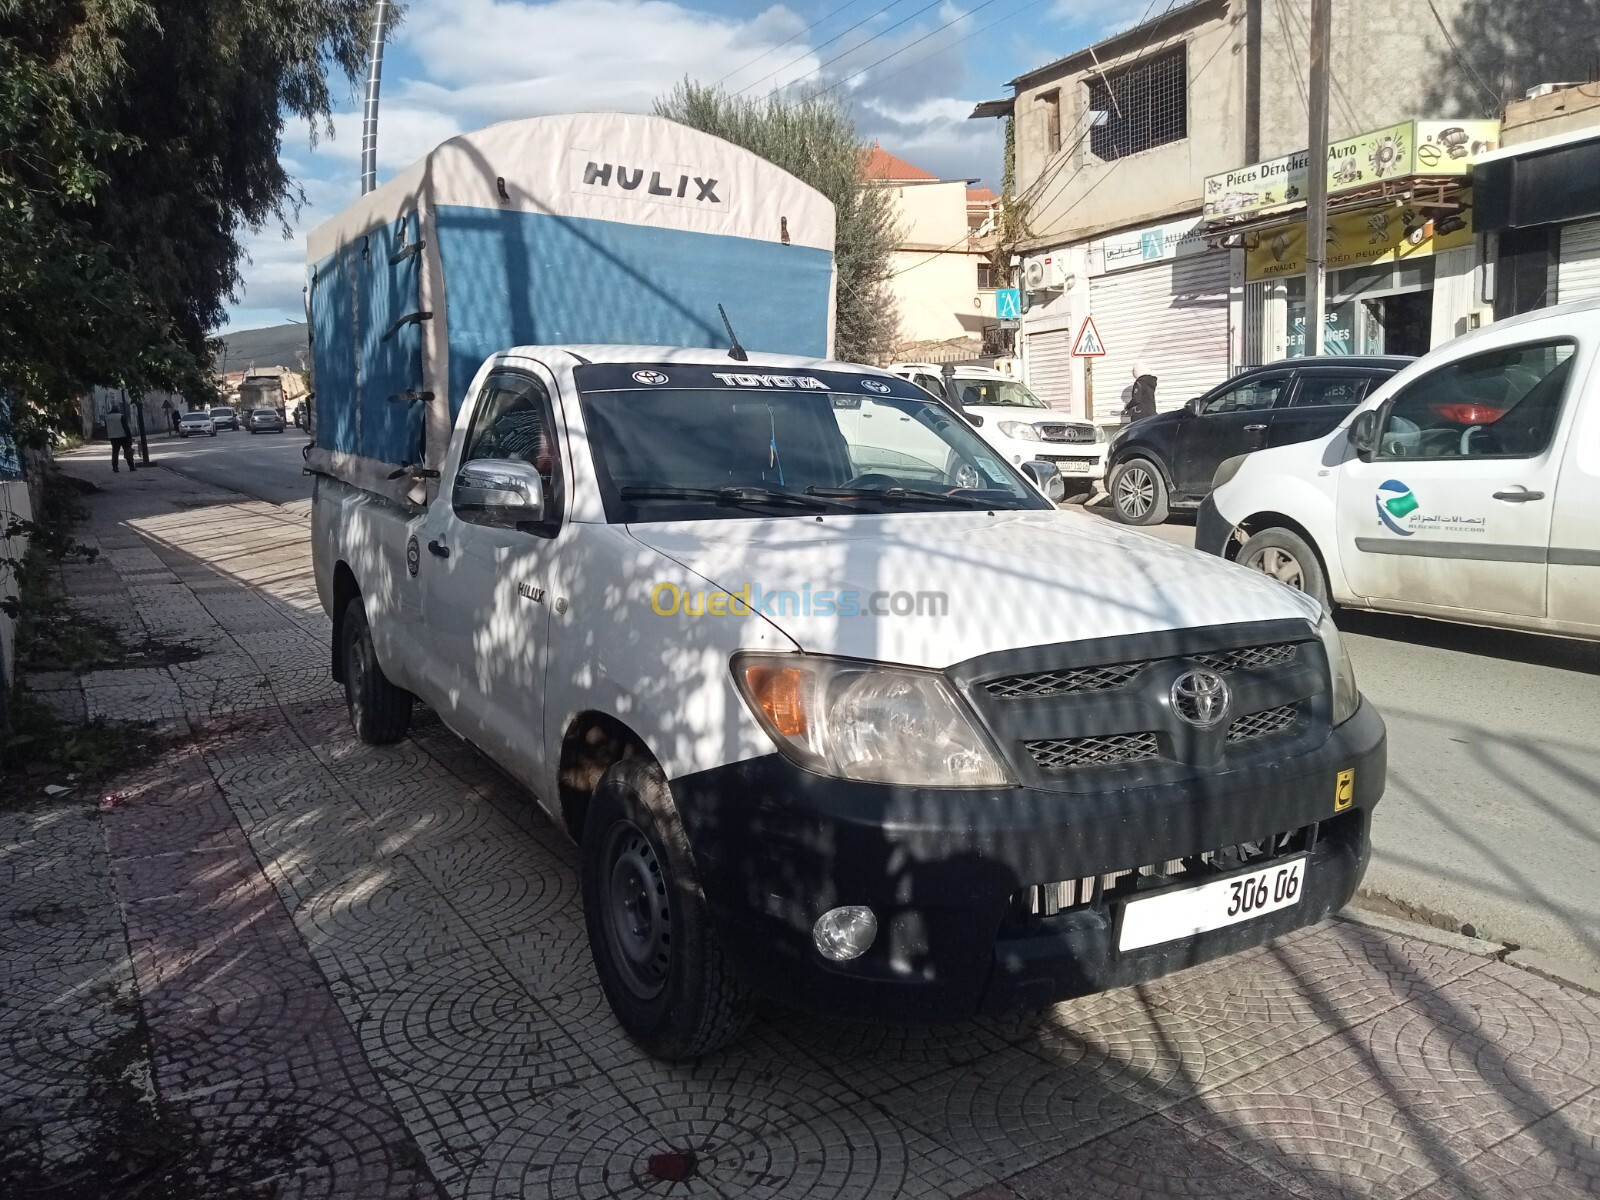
(1395, 503)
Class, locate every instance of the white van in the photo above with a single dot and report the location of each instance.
(1016, 422)
(1467, 487)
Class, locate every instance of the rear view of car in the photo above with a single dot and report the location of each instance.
(264, 420)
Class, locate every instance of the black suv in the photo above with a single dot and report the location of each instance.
(1168, 460)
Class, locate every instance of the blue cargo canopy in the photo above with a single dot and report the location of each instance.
(593, 228)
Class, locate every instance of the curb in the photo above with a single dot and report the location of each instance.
(1405, 926)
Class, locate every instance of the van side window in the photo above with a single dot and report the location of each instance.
(1499, 404)
(514, 421)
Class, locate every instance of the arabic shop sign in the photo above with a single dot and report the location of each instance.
(1410, 148)
(1153, 243)
(1367, 237)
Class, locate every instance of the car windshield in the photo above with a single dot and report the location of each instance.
(997, 393)
(221, 412)
(674, 442)
(197, 416)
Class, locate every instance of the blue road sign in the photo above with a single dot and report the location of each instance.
(1007, 304)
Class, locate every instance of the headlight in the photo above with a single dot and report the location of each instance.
(1020, 430)
(1226, 470)
(856, 720)
(1345, 695)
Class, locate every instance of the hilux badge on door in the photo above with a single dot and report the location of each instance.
(1200, 698)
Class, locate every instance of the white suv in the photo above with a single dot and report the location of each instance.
(1014, 421)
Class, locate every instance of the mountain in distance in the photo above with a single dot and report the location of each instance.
(273, 346)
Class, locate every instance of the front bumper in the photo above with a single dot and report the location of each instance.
(1211, 529)
(777, 846)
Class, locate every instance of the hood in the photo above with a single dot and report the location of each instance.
(956, 585)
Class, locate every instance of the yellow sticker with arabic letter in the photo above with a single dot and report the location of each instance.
(1344, 789)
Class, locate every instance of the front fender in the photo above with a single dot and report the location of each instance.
(1261, 500)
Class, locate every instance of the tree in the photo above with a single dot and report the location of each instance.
(813, 138)
(138, 140)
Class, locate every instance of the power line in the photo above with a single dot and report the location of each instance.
(782, 44)
(813, 50)
(885, 33)
(1494, 97)
(908, 45)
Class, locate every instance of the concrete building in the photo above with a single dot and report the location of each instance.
(1118, 143)
(943, 291)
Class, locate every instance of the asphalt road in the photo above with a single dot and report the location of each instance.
(1492, 816)
(266, 466)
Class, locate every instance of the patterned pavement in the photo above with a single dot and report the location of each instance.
(371, 963)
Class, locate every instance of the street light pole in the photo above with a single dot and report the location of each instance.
(1317, 178)
(369, 117)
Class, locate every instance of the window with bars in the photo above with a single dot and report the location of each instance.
(1146, 105)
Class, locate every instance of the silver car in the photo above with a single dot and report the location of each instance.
(191, 424)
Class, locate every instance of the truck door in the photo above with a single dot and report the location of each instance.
(1231, 421)
(1574, 527)
(486, 602)
(1454, 508)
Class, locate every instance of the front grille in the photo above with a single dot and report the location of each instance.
(1056, 683)
(1067, 433)
(1110, 750)
(1263, 724)
(1249, 657)
(1099, 679)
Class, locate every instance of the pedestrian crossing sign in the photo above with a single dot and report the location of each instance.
(1088, 344)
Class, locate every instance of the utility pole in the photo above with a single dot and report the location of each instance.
(1317, 178)
(369, 117)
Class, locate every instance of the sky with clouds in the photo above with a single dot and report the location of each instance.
(911, 69)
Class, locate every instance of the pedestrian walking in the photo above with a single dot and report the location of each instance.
(171, 414)
(121, 436)
(1142, 400)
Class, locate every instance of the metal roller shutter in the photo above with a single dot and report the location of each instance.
(1170, 318)
(1578, 274)
(1050, 366)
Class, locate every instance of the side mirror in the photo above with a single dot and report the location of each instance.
(1364, 433)
(501, 492)
(1046, 478)
(973, 419)
(1192, 407)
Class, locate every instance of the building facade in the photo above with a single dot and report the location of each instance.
(942, 284)
(1125, 150)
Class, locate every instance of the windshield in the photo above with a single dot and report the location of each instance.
(197, 416)
(999, 393)
(674, 442)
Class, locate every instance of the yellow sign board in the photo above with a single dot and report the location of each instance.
(1393, 233)
(1410, 148)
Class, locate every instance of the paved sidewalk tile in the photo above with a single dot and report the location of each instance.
(375, 957)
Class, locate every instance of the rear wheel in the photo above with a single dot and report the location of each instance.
(650, 934)
(1138, 492)
(1288, 558)
(379, 711)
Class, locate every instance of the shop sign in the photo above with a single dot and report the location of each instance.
(1359, 239)
(1410, 148)
(1155, 243)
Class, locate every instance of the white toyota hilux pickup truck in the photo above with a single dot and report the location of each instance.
(837, 706)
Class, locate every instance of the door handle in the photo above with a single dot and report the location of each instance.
(1519, 495)
(1254, 428)
(438, 549)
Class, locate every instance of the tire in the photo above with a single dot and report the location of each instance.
(660, 966)
(1138, 492)
(1289, 558)
(380, 712)
(213, 433)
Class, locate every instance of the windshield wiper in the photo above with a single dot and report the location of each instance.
(733, 497)
(916, 495)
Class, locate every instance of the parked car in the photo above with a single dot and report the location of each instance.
(264, 420)
(1466, 488)
(1015, 421)
(301, 414)
(1167, 461)
(226, 418)
(193, 423)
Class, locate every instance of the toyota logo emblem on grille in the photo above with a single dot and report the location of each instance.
(1200, 698)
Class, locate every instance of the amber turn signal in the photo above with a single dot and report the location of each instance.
(780, 693)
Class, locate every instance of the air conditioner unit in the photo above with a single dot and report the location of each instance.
(1044, 274)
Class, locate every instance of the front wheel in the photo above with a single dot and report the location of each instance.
(1288, 558)
(380, 712)
(660, 965)
(1138, 492)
